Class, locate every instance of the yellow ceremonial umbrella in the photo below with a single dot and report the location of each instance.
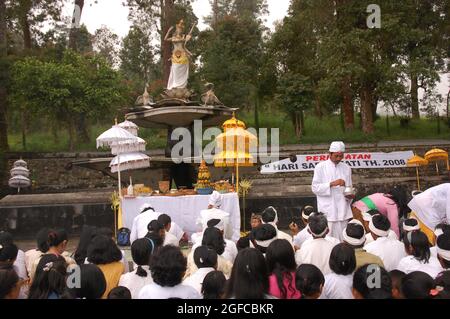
(417, 161)
(234, 146)
(435, 155)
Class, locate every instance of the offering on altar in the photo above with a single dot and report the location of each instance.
(223, 187)
(203, 185)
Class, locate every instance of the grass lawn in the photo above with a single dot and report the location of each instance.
(316, 131)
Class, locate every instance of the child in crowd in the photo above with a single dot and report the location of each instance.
(281, 266)
(213, 286)
(249, 278)
(309, 280)
(168, 266)
(92, 283)
(10, 283)
(104, 253)
(50, 278)
(262, 236)
(141, 250)
(206, 261)
(363, 286)
(418, 285)
(338, 284)
(396, 278)
(419, 257)
(119, 293)
(390, 251)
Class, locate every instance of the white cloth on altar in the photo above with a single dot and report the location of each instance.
(184, 210)
(179, 75)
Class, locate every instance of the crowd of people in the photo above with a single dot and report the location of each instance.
(379, 247)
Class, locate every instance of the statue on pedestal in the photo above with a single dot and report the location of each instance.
(179, 71)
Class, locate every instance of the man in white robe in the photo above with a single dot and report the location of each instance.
(391, 251)
(431, 208)
(141, 221)
(213, 212)
(316, 251)
(329, 181)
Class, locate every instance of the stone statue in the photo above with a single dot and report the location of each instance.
(145, 99)
(179, 71)
(209, 98)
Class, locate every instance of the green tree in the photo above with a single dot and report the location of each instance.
(62, 91)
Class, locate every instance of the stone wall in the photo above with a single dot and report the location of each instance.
(52, 172)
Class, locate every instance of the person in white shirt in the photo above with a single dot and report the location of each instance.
(231, 251)
(206, 261)
(213, 239)
(409, 225)
(304, 235)
(270, 216)
(141, 251)
(391, 251)
(214, 212)
(141, 221)
(431, 207)
(367, 217)
(168, 268)
(329, 182)
(316, 251)
(177, 231)
(338, 284)
(169, 239)
(443, 250)
(418, 259)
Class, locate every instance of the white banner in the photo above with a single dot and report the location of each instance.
(354, 160)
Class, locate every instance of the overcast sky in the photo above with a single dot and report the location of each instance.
(114, 15)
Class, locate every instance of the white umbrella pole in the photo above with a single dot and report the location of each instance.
(118, 174)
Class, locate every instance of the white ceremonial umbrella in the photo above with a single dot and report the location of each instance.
(114, 135)
(129, 146)
(20, 171)
(130, 127)
(20, 163)
(19, 182)
(129, 161)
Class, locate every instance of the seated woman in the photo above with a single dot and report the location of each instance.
(168, 267)
(104, 253)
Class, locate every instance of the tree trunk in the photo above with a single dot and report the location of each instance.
(166, 47)
(414, 96)
(349, 118)
(71, 131)
(366, 109)
(25, 25)
(24, 128)
(318, 106)
(3, 93)
(80, 124)
(74, 31)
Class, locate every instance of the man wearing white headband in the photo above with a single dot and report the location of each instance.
(304, 235)
(443, 250)
(431, 207)
(354, 235)
(141, 221)
(329, 181)
(390, 251)
(367, 217)
(270, 216)
(316, 251)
